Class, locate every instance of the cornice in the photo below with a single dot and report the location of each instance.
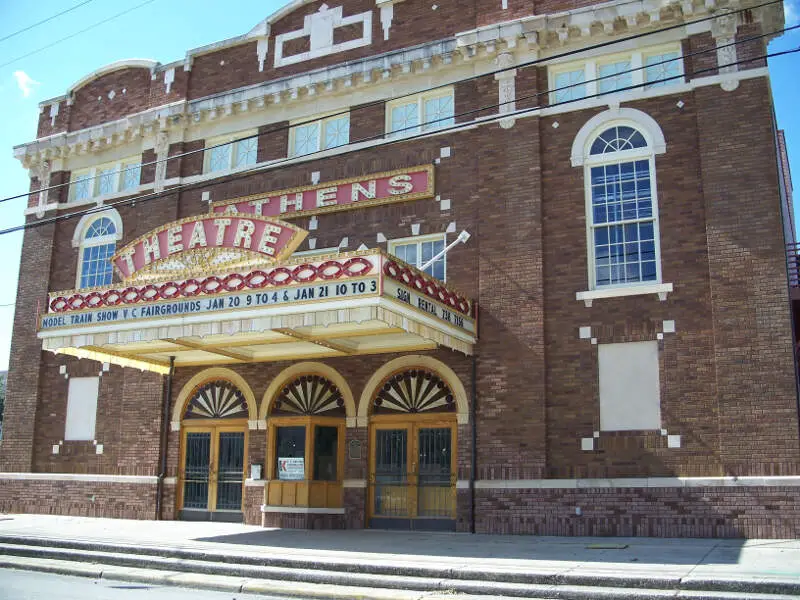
(532, 34)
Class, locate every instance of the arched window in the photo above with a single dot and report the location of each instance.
(97, 242)
(622, 213)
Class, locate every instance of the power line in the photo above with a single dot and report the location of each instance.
(515, 114)
(534, 62)
(43, 21)
(247, 172)
(77, 33)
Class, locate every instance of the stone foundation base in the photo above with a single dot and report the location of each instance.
(303, 521)
(733, 510)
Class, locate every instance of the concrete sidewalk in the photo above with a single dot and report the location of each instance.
(663, 564)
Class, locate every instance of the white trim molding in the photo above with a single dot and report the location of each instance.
(89, 478)
(662, 289)
(632, 482)
(647, 125)
(86, 220)
(319, 28)
(301, 510)
(131, 63)
(355, 483)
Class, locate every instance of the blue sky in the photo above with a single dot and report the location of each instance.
(163, 30)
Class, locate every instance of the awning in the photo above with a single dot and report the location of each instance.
(346, 304)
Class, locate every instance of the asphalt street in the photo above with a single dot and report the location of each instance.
(29, 585)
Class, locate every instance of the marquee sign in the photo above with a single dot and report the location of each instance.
(207, 242)
(305, 285)
(394, 186)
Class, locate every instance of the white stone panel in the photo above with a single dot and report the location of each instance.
(81, 408)
(630, 397)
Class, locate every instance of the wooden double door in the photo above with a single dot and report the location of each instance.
(412, 483)
(213, 470)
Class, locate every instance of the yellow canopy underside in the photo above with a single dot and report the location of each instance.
(322, 334)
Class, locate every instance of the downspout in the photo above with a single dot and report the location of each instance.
(474, 453)
(162, 469)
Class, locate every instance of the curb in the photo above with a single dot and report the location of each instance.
(223, 563)
(281, 590)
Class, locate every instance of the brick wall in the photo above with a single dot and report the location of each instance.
(78, 498)
(92, 104)
(25, 363)
(747, 276)
(726, 375)
(658, 512)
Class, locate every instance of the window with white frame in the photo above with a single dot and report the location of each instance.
(321, 134)
(622, 218)
(662, 68)
(641, 69)
(97, 246)
(231, 152)
(418, 251)
(81, 408)
(569, 85)
(422, 112)
(630, 393)
(105, 179)
(614, 76)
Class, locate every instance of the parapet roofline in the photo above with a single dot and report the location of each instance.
(118, 65)
(261, 30)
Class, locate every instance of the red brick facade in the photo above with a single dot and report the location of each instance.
(726, 375)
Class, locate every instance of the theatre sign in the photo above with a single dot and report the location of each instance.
(403, 185)
(207, 242)
(223, 287)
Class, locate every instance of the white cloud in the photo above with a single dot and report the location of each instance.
(791, 13)
(25, 83)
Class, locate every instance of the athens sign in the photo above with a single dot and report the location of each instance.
(209, 241)
(381, 188)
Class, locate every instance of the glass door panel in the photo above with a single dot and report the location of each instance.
(196, 477)
(434, 479)
(230, 470)
(391, 485)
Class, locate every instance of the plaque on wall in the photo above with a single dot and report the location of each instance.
(354, 452)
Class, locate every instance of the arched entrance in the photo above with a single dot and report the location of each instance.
(214, 430)
(413, 430)
(306, 407)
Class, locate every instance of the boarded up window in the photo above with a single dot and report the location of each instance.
(629, 386)
(81, 408)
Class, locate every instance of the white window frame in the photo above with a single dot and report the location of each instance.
(658, 50)
(232, 139)
(591, 69)
(420, 99)
(80, 242)
(569, 68)
(622, 156)
(80, 424)
(322, 122)
(120, 169)
(419, 240)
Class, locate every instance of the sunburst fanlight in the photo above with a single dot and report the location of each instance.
(414, 391)
(308, 395)
(217, 400)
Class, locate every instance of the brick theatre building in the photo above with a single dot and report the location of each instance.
(509, 266)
